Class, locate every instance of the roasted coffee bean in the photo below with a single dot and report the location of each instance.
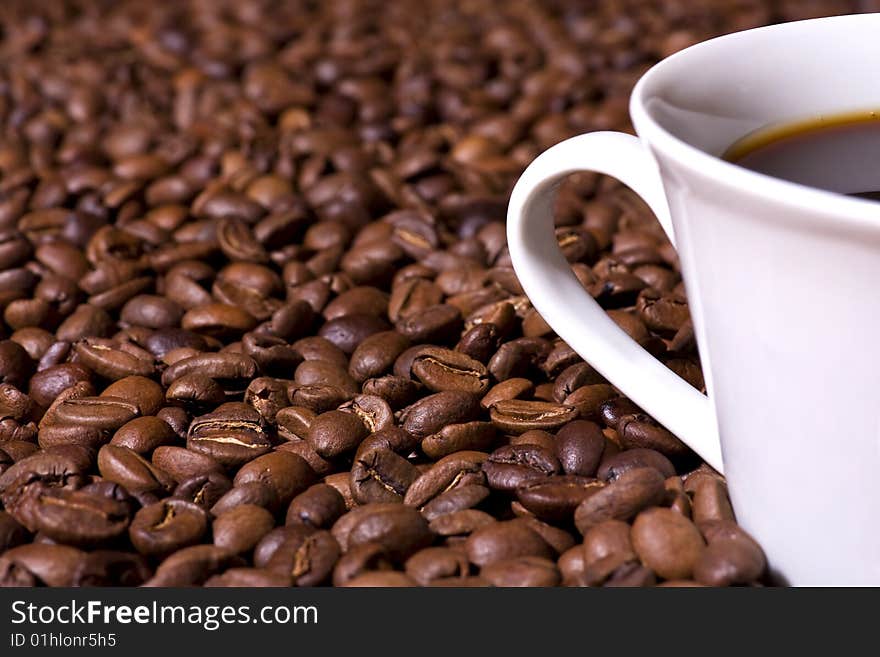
(509, 389)
(131, 471)
(430, 414)
(181, 464)
(639, 431)
(505, 540)
(435, 562)
(361, 559)
(554, 499)
(47, 384)
(231, 370)
(309, 561)
(195, 391)
(513, 466)
(667, 543)
(105, 413)
(375, 355)
(203, 490)
(457, 499)
(336, 432)
(615, 465)
(40, 564)
(399, 528)
(579, 448)
(372, 410)
(457, 437)
(69, 516)
(608, 538)
(522, 571)
(233, 434)
(518, 416)
(613, 410)
(621, 499)
(588, 400)
(380, 475)
(444, 369)
(144, 393)
(710, 501)
(241, 528)
(397, 391)
(453, 471)
(167, 526)
(460, 524)
(286, 474)
(319, 506)
(144, 434)
(113, 360)
(251, 492)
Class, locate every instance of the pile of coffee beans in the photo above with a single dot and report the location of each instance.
(259, 322)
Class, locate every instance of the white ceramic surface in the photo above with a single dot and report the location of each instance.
(781, 280)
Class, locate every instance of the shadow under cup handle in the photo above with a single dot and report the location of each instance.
(559, 297)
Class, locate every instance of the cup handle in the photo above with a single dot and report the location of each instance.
(558, 296)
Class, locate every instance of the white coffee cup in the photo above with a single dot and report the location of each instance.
(783, 283)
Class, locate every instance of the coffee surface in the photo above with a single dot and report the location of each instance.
(837, 153)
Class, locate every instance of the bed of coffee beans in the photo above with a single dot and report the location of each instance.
(259, 323)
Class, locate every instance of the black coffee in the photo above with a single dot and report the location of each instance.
(838, 153)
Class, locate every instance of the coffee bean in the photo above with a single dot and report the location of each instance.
(460, 523)
(522, 571)
(233, 434)
(335, 432)
(203, 490)
(518, 416)
(505, 540)
(639, 431)
(255, 493)
(144, 393)
(241, 528)
(358, 559)
(143, 434)
(37, 564)
(400, 529)
(450, 472)
(444, 369)
(608, 538)
(182, 464)
(380, 475)
(69, 516)
(308, 561)
(436, 562)
(616, 464)
(286, 474)
(666, 542)
(131, 471)
(554, 499)
(430, 414)
(621, 499)
(376, 354)
(579, 448)
(167, 526)
(513, 466)
(319, 506)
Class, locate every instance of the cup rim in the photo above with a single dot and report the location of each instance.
(812, 200)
